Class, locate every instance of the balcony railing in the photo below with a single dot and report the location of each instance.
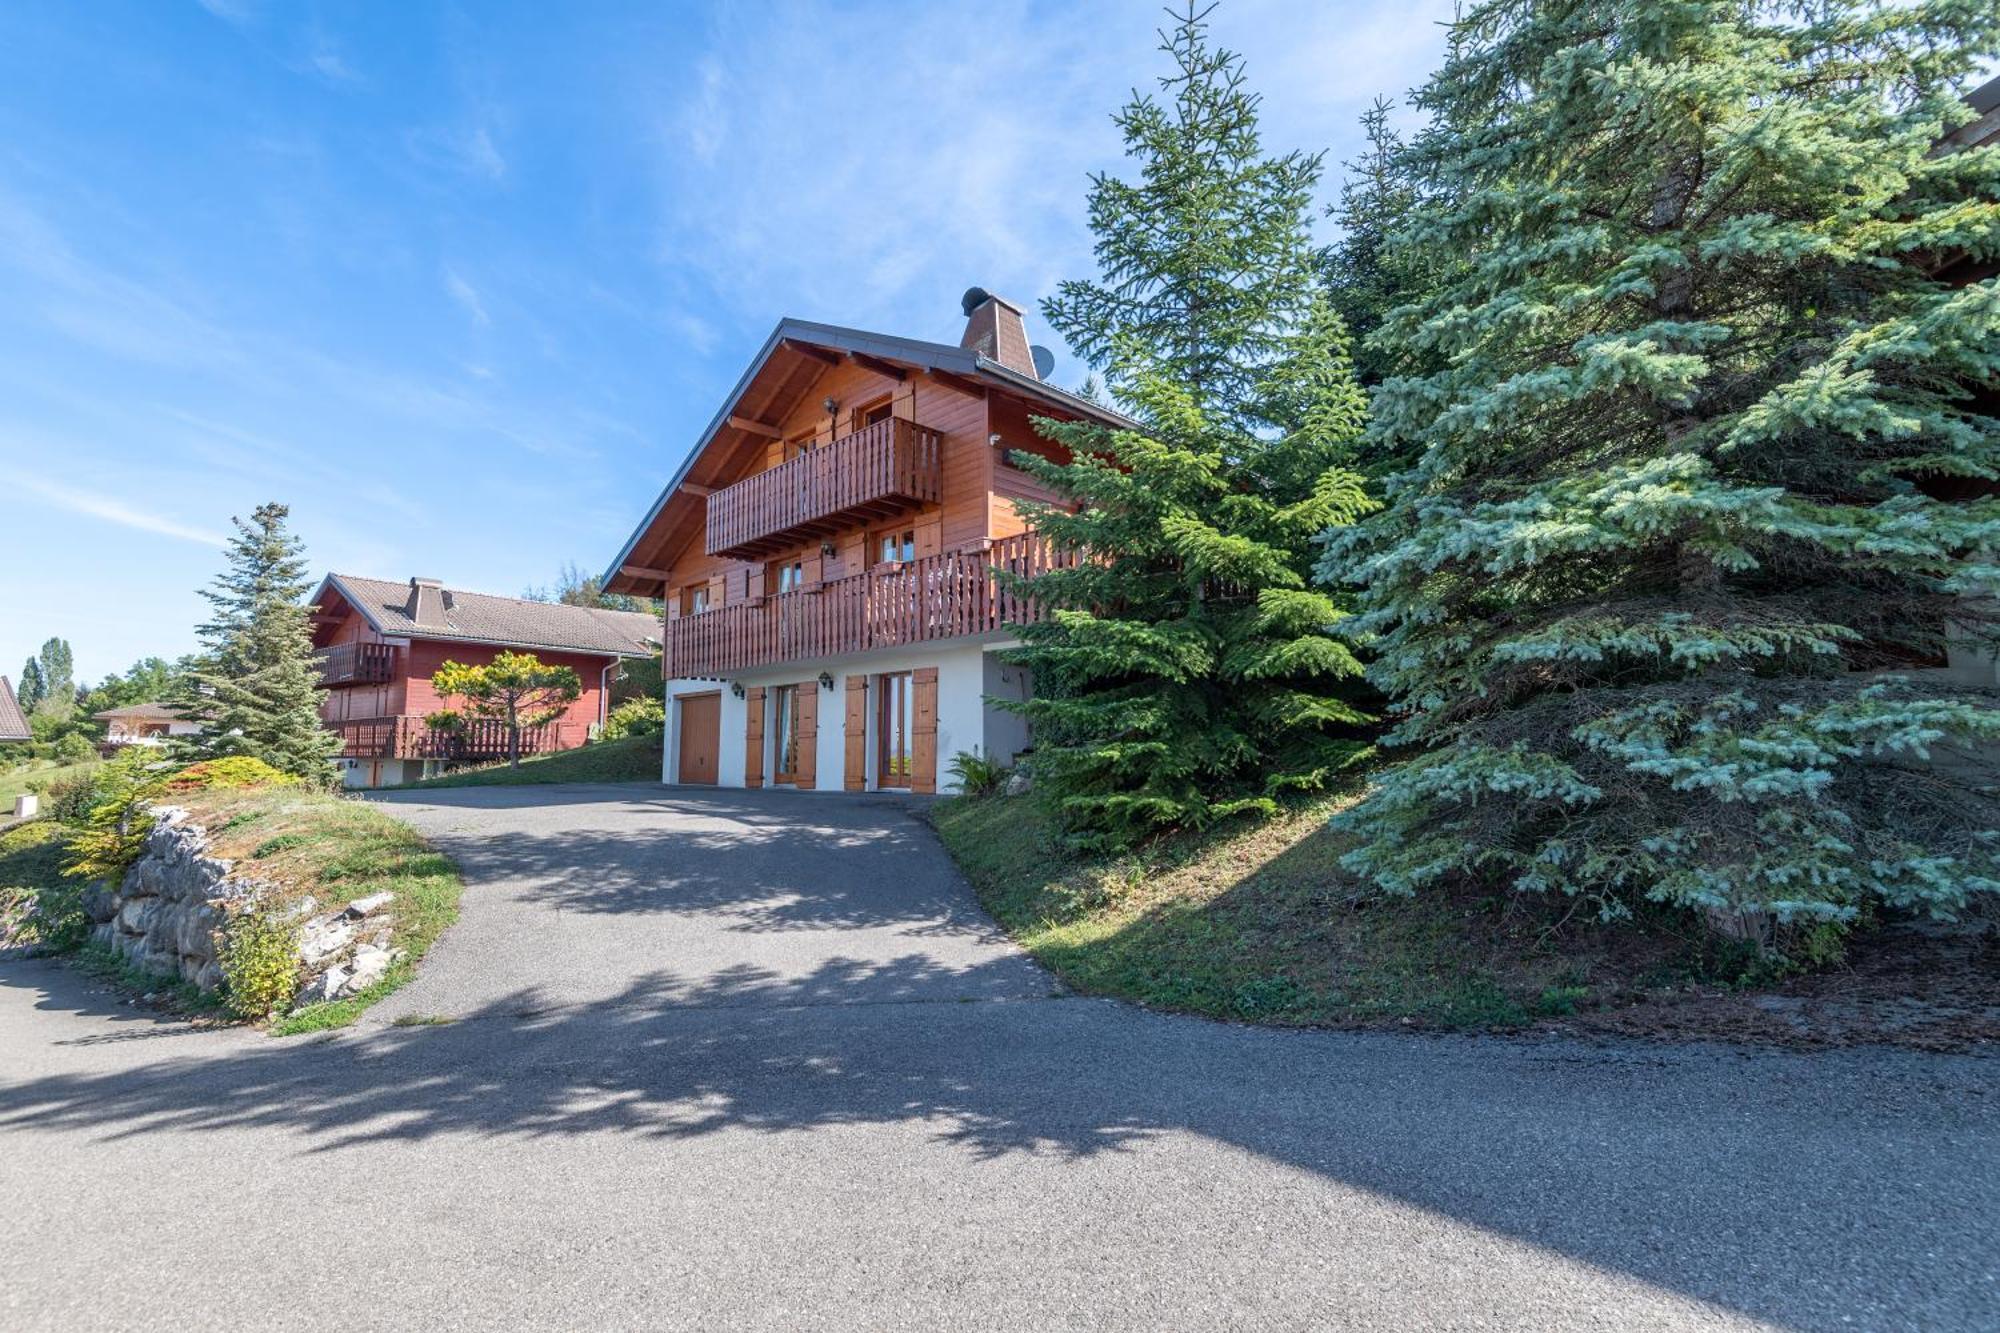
(356, 664)
(407, 737)
(879, 469)
(938, 597)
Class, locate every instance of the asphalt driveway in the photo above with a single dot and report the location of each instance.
(757, 1061)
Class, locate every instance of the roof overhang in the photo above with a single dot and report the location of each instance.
(833, 344)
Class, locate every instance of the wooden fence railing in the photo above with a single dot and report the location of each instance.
(356, 664)
(937, 597)
(407, 737)
(891, 462)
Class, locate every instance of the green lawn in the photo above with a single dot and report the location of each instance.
(632, 759)
(35, 772)
(1259, 922)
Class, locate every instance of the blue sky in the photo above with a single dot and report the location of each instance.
(461, 283)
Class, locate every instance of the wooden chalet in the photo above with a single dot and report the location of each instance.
(827, 555)
(379, 642)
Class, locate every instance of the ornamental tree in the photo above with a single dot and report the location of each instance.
(1660, 599)
(516, 690)
(1188, 671)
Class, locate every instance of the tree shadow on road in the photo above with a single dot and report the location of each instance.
(1762, 1182)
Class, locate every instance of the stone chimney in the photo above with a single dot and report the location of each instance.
(993, 328)
(426, 604)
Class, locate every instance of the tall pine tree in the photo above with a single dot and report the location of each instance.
(1659, 598)
(33, 688)
(1190, 672)
(256, 685)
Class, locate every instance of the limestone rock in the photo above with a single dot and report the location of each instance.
(369, 906)
(1020, 782)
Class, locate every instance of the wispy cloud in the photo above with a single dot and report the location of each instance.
(466, 295)
(94, 505)
(230, 11)
(466, 151)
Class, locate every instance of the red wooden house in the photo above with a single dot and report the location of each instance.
(379, 642)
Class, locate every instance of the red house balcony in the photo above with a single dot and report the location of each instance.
(409, 737)
(878, 470)
(356, 664)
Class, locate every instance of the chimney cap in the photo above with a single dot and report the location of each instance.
(418, 581)
(974, 298)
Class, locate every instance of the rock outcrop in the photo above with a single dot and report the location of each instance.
(170, 915)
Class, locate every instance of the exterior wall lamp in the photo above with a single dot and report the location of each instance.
(736, 688)
(826, 680)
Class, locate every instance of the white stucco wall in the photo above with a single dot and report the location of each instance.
(965, 721)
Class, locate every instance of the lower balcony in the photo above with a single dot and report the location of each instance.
(945, 596)
(409, 737)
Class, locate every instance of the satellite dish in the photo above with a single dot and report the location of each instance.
(1045, 361)
(974, 298)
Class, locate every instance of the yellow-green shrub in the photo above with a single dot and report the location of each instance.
(260, 965)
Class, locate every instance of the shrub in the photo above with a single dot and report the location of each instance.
(69, 799)
(976, 775)
(114, 831)
(57, 920)
(235, 771)
(75, 748)
(636, 717)
(260, 965)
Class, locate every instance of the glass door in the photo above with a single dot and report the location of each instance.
(785, 699)
(892, 767)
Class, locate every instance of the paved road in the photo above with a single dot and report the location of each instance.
(756, 1061)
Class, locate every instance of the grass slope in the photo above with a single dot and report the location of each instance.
(631, 759)
(35, 773)
(1261, 923)
(334, 849)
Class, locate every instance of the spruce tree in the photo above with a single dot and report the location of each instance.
(1187, 671)
(1660, 598)
(56, 680)
(256, 685)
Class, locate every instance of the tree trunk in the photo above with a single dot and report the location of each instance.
(513, 735)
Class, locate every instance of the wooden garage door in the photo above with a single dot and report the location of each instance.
(701, 736)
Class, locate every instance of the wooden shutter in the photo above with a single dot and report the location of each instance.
(753, 738)
(923, 723)
(857, 733)
(808, 762)
(930, 540)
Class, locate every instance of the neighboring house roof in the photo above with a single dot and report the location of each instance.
(424, 609)
(13, 726)
(914, 352)
(146, 712)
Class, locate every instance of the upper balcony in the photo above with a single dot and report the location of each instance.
(356, 664)
(877, 470)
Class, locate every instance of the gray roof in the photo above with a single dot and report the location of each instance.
(513, 622)
(926, 355)
(152, 711)
(13, 726)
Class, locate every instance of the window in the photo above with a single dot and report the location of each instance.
(785, 703)
(794, 447)
(694, 600)
(893, 546)
(872, 413)
(785, 575)
(892, 726)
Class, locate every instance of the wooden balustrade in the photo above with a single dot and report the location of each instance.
(878, 469)
(356, 664)
(937, 597)
(408, 737)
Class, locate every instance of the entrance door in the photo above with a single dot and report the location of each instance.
(701, 736)
(892, 725)
(785, 714)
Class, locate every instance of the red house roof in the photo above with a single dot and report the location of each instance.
(426, 609)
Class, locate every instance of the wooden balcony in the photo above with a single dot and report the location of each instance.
(356, 664)
(877, 470)
(407, 737)
(944, 596)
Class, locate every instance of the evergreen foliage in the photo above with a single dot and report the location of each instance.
(256, 685)
(1658, 596)
(515, 689)
(1188, 672)
(32, 689)
(57, 680)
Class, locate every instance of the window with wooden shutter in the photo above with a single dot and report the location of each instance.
(808, 759)
(923, 727)
(753, 738)
(856, 776)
